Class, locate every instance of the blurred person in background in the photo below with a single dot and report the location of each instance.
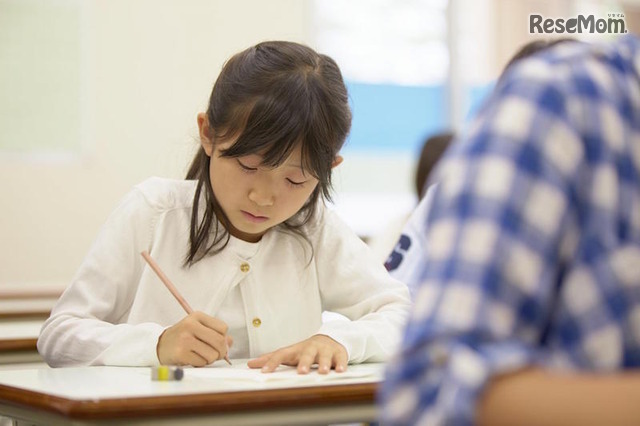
(433, 148)
(528, 305)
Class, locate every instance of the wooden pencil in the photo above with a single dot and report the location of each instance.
(172, 288)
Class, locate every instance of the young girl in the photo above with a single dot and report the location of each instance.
(246, 239)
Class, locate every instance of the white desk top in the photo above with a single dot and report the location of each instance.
(221, 395)
(17, 306)
(22, 329)
(95, 383)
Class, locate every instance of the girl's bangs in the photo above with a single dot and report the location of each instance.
(273, 131)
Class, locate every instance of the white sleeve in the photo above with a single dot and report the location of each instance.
(87, 325)
(355, 284)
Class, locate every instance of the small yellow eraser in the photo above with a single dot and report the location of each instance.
(165, 373)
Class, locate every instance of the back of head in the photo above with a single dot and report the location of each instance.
(534, 47)
(432, 150)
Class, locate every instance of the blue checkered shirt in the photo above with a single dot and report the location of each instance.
(532, 252)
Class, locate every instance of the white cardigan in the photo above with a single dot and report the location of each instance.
(115, 309)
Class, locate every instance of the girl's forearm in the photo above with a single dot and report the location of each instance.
(538, 397)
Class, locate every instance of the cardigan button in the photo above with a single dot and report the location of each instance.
(256, 322)
(244, 267)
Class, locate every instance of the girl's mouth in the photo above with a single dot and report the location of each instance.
(253, 218)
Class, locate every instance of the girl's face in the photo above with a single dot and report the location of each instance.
(255, 198)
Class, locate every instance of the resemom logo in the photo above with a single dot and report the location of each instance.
(614, 23)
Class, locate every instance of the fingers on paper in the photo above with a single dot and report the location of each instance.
(260, 361)
(307, 358)
(320, 350)
(325, 361)
(340, 361)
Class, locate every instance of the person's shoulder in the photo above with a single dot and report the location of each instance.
(626, 47)
(578, 60)
(324, 216)
(329, 226)
(617, 57)
(545, 67)
(167, 194)
(621, 57)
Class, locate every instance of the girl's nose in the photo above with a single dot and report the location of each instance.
(262, 197)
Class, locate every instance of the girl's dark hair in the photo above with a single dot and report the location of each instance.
(432, 150)
(272, 97)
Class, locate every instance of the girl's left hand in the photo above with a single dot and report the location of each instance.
(318, 349)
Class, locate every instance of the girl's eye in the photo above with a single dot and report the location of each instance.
(246, 169)
(294, 183)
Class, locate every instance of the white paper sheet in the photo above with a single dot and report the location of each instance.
(241, 372)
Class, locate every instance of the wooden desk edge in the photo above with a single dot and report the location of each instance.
(28, 295)
(218, 402)
(25, 315)
(16, 345)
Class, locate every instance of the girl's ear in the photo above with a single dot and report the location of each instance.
(206, 133)
(337, 161)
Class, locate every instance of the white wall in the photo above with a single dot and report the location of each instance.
(149, 68)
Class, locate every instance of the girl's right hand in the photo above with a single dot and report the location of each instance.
(197, 340)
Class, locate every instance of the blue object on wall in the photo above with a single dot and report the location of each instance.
(394, 118)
